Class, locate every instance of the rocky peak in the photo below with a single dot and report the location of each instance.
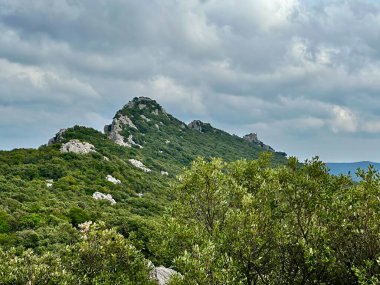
(196, 125)
(252, 138)
(142, 103)
(58, 137)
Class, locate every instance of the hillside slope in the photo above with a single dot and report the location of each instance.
(46, 191)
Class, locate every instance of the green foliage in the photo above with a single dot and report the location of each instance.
(247, 223)
(101, 256)
(4, 222)
(246, 217)
(78, 216)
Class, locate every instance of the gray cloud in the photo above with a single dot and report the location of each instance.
(302, 73)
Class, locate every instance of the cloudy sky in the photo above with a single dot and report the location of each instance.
(303, 74)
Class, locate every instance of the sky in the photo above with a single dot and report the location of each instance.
(304, 75)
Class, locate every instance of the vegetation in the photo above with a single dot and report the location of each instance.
(247, 223)
(247, 217)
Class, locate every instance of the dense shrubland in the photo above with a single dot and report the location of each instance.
(240, 222)
(223, 221)
(246, 223)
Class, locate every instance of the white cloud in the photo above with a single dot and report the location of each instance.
(299, 72)
(44, 84)
(168, 92)
(343, 120)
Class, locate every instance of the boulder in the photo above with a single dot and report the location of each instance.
(112, 179)
(139, 164)
(162, 274)
(101, 196)
(49, 183)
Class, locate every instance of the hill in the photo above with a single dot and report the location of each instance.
(122, 176)
(103, 208)
(337, 168)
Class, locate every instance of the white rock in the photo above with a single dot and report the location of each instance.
(140, 195)
(164, 173)
(124, 120)
(139, 164)
(145, 118)
(160, 151)
(132, 142)
(77, 146)
(155, 112)
(106, 158)
(84, 228)
(49, 183)
(142, 106)
(167, 141)
(157, 126)
(101, 196)
(162, 274)
(113, 131)
(112, 179)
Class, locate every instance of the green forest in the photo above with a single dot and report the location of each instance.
(213, 207)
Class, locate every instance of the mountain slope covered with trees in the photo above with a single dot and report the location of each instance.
(104, 208)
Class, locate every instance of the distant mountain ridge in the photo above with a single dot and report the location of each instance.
(337, 168)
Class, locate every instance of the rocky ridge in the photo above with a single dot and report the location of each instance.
(252, 138)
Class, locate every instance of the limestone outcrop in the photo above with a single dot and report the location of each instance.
(196, 125)
(139, 164)
(49, 183)
(114, 130)
(252, 138)
(112, 179)
(101, 196)
(77, 146)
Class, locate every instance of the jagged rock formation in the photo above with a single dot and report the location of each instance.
(139, 164)
(162, 274)
(78, 147)
(196, 125)
(202, 127)
(101, 196)
(164, 173)
(58, 137)
(112, 179)
(114, 130)
(252, 138)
